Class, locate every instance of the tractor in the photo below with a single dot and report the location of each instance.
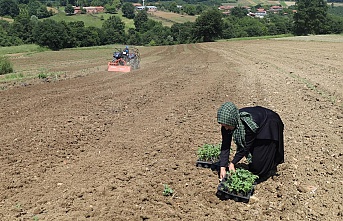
(124, 60)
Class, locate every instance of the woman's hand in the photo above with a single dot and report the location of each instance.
(232, 167)
(222, 172)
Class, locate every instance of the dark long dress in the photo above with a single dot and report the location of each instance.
(266, 145)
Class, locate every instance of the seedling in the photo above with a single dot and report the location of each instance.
(167, 191)
(239, 182)
(209, 152)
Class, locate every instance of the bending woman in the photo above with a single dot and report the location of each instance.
(258, 134)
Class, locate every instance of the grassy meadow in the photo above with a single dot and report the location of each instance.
(96, 20)
(170, 18)
(28, 48)
(90, 20)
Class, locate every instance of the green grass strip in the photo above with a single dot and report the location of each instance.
(28, 48)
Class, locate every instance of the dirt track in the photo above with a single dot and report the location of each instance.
(100, 146)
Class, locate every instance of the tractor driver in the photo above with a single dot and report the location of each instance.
(126, 50)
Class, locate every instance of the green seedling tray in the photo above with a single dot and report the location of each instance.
(226, 195)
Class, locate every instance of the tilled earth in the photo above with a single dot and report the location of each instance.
(87, 144)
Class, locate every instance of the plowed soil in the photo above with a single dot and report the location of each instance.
(87, 144)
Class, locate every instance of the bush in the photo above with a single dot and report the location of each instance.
(5, 65)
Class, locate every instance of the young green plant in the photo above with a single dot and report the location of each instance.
(167, 191)
(209, 152)
(240, 181)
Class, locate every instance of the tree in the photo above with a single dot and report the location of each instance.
(335, 24)
(310, 17)
(51, 34)
(200, 8)
(182, 32)
(209, 25)
(36, 8)
(97, 2)
(229, 29)
(114, 30)
(9, 7)
(111, 9)
(117, 3)
(22, 27)
(232, 28)
(128, 10)
(92, 38)
(74, 2)
(20, 2)
(189, 9)
(278, 24)
(140, 20)
(69, 10)
(75, 33)
(239, 12)
(135, 37)
(81, 36)
(158, 34)
(172, 6)
(5, 38)
(253, 27)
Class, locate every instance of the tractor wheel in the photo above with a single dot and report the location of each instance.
(137, 65)
(134, 63)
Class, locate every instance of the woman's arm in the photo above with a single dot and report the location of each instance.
(225, 151)
(225, 148)
(250, 137)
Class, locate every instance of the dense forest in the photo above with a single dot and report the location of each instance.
(32, 24)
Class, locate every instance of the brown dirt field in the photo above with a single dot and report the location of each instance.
(94, 145)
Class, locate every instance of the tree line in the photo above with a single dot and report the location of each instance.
(311, 17)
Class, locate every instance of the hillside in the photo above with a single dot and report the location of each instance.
(167, 18)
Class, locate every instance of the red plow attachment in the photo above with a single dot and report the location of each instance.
(115, 66)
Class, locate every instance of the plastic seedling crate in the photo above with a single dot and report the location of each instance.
(208, 164)
(208, 156)
(224, 194)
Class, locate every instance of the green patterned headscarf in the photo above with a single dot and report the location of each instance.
(229, 114)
